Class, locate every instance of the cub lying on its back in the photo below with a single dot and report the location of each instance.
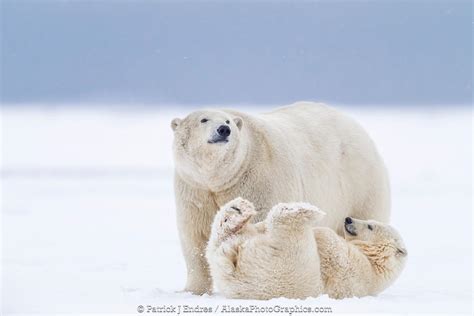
(366, 261)
(274, 258)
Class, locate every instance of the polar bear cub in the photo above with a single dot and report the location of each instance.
(274, 258)
(366, 261)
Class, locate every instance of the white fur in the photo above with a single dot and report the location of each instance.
(303, 152)
(276, 258)
(360, 265)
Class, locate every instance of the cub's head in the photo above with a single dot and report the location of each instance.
(232, 217)
(206, 139)
(374, 234)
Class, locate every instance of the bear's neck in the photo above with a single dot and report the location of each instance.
(378, 254)
(229, 174)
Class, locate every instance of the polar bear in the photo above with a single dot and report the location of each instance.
(366, 261)
(274, 258)
(304, 152)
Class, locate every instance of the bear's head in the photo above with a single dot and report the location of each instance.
(232, 218)
(375, 238)
(206, 142)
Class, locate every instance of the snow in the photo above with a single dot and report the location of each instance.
(88, 216)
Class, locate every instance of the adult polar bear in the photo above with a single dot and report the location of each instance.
(303, 152)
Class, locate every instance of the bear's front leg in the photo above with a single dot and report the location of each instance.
(198, 276)
(195, 212)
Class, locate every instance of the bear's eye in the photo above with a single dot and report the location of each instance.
(225, 220)
(227, 121)
(204, 120)
(370, 227)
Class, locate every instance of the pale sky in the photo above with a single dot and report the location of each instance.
(350, 52)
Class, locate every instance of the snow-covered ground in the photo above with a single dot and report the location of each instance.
(88, 217)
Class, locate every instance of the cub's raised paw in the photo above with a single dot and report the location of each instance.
(231, 218)
(296, 211)
(241, 206)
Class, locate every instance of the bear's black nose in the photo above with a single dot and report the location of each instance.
(348, 220)
(223, 130)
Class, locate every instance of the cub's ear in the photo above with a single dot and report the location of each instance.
(174, 123)
(402, 252)
(238, 121)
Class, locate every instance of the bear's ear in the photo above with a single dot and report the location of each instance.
(402, 252)
(174, 123)
(238, 121)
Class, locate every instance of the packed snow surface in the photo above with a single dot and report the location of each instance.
(88, 214)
